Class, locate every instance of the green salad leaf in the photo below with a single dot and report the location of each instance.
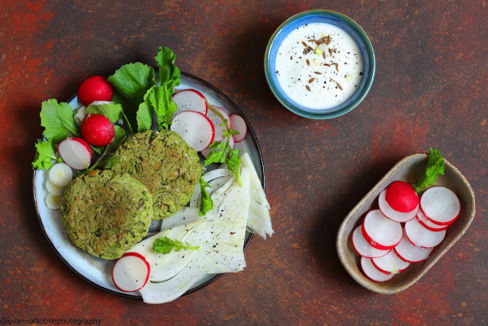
(144, 117)
(165, 245)
(111, 111)
(206, 202)
(223, 153)
(45, 154)
(435, 168)
(58, 120)
(169, 74)
(106, 159)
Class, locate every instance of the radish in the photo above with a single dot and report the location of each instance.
(97, 130)
(237, 123)
(130, 272)
(80, 115)
(190, 100)
(95, 88)
(392, 214)
(381, 232)
(372, 272)
(54, 189)
(426, 223)
(59, 175)
(401, 197)
(53, 201)
(390, 263)
(363, 248)
(195, 128)
(440, 205)
(219, 124)
(422, 237)
(411, 253)
(75, 152)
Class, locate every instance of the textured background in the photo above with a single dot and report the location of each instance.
(429, 90)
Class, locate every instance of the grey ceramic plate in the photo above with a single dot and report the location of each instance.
(97, 271)
(410, 170)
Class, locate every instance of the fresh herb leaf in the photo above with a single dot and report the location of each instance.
(106, 159)
(435, 168)
(165, 245)
(58, 120)
(223, 153)
(111, 111)
(45, 154)
(144, 117)
(169, 74)
(206, 202)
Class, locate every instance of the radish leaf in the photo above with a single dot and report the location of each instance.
(165, 245)
(44, 156)
(206, 202)
(144, 117)
(435, 168)
(111, 111)
(58, 120)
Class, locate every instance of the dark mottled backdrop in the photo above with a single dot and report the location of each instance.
(430, 90)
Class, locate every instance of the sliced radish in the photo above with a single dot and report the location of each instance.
(426, 223)
(190, 99)
(195, 128)
(80, 115)
(422, 237)
(207, 150)
(75, 152)
(381, 232)
(440, 205)
(372, 272)
(401, 197)
(392, 214)
(53, 201)
(363, 248)
(411, 253)
(238, 123)
(60, 175)
(219, 124)
(54, 189)
(390, 263)
(130, 272)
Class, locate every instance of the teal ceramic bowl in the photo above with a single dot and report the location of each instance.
(350, 27)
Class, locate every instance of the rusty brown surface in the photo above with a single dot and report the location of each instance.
(429, 90)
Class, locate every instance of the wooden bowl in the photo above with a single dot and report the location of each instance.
(410, 170)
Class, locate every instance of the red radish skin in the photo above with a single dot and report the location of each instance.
(95, 88)
(75, 152)
(372, 272)
(97, 130)
(238, 123)
(411, 253)
(190, 100)
(381, 232)
(401, 197)
(122, 280)
(440, 205)
(390, 263)
(195, 128)
(426, 223)
(422, 237)
(392, 214)
(362, 247)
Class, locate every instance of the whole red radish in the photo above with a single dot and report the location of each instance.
(97, 130)
(95, 88)
(401, 196)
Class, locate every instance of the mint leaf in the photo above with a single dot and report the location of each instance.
(206, 202)
(435, 168)
(58, 120)
(111, 111)
(144, 117)
(45, 154)
(165, 245)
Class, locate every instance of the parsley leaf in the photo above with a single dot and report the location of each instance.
(165, 245)
(206, 202)
(58, 120)
(45, 154)
(435, 168)
(111, 111)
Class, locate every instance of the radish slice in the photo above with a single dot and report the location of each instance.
(195, 128)
(381, 232)
(372, 272)
(426, 223)
(390, 263)
(53, 201)
(440, 205)
(238, 123)
(60, 175)
(190, 99)
(392, 214)
(53, 189)
(130, 272)
(80, 115)
(401, 197)
(410, 253)
(75, 152)
(363, 248)
(218, 122)
(207, 151)
(422, 237)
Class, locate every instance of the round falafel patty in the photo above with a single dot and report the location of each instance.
(105, 213)
(165, 164)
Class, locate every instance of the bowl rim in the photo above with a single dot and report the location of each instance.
(369, 48)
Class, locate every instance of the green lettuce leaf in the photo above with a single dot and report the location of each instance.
(58, 120)
(45, 154)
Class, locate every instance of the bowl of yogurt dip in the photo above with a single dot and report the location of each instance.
(319, 64)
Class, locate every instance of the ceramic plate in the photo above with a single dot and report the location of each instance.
(98, 271)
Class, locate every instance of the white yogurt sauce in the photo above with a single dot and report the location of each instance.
(319, 65)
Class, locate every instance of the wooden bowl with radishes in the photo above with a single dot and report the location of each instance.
(410, 170)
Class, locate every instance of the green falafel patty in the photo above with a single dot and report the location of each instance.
(106, 214)
(165, 164)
